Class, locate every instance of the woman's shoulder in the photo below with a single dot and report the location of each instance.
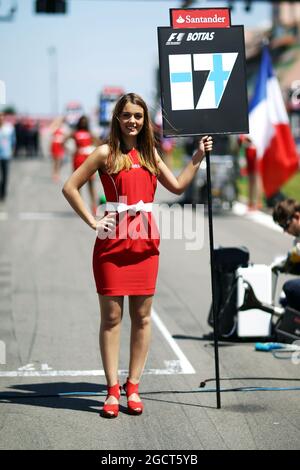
(103, 150)
(101, 154)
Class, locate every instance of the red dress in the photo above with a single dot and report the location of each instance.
(84, 146)
(57, 145)
(126, 263)
(251, 158)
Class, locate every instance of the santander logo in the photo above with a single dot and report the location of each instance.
(180, 20)
(201, 18)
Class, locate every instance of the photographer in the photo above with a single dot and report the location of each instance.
(287, 214)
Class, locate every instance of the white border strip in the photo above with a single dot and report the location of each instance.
(185, 366)
(256, 216)
(39, 215)
(80, 373)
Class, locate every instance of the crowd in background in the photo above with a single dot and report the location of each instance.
(27, 137)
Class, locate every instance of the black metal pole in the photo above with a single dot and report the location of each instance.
(213, 278)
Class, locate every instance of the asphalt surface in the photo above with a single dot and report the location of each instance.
(50, 320)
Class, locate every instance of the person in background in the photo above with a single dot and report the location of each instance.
(20, 132)
(287, 215)
(58, 134)
(7, 148)
(254, 180)
(168, 145)
(165, 145)
(85, 144)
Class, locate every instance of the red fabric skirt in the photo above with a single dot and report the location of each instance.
(128, 266)
(57, 151)
(124, 277)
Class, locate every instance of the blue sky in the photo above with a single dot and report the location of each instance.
(98, 43)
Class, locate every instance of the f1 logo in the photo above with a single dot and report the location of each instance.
(175, 39)
(219, 65)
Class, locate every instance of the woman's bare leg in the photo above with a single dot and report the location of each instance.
(111, 310)
(56, 169)
(140, 314)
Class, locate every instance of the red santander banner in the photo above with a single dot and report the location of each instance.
(200, 18)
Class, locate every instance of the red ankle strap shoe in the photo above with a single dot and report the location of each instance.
(134, 407)
(112, 410)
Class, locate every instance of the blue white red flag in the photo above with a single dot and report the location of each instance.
(270, 131)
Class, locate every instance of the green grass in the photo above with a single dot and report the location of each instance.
(178, 155)
(290, 189)
(242, 186)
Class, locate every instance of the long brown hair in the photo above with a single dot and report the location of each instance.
(118, 159)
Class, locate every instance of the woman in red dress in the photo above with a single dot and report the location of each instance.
(126, 251)
(85, 144)
(255, 188)
(58, 133)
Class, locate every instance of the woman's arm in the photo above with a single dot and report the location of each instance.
(94, 162)
(55, 124)
(68, 137)
(179, 184)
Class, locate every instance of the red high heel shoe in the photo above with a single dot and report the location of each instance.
(134, 407)
(112, 410)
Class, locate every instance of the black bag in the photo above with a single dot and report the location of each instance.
(227, 260)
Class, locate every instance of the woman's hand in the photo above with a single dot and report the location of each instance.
(106, 225)
(205, 144)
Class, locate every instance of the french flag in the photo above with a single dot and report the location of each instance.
(269, 130)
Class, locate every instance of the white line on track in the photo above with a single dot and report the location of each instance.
(181, 365)
(44, 215)
(185, 367)
(36, 216)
